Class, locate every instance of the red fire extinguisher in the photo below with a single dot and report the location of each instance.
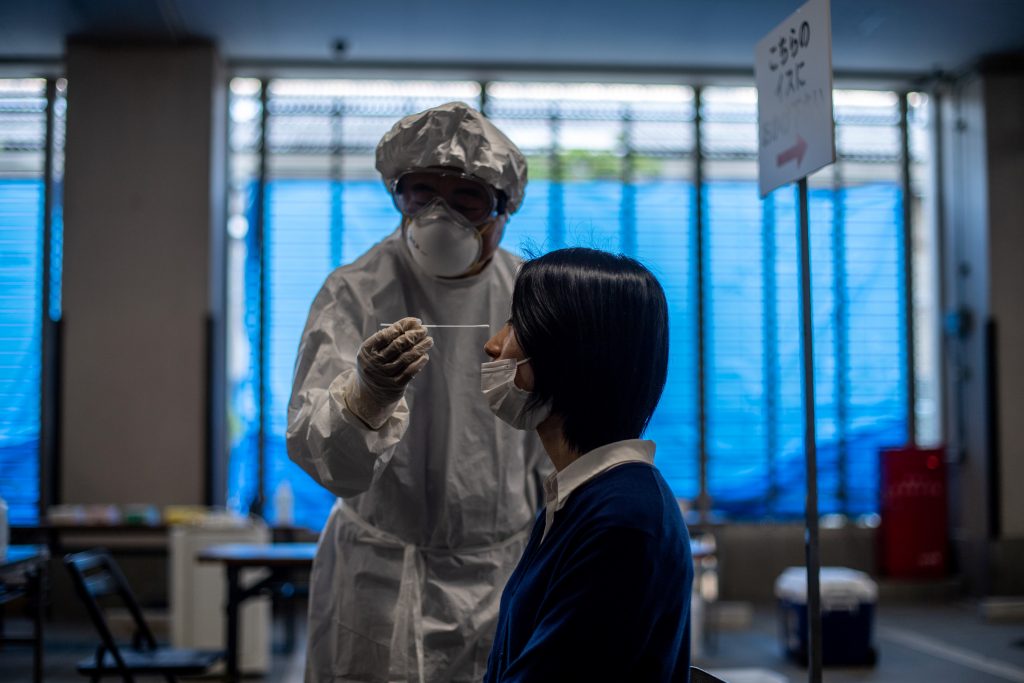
(913, 536)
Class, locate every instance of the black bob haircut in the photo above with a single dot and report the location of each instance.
(595, 326)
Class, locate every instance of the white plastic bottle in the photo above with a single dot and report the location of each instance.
(284, 503)
(4, 529)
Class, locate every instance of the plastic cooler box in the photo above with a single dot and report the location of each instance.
(848, 600)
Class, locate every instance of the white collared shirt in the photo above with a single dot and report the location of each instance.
(560, 485)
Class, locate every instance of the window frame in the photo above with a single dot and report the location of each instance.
(48, 302)
(906, 275)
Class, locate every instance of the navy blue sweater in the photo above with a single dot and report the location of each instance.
(606, 596)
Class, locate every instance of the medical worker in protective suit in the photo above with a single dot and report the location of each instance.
(436, 496)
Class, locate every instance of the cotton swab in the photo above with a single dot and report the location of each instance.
(387, 325)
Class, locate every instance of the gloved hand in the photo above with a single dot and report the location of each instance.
(386, 363)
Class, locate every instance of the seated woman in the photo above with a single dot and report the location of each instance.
(602, 592)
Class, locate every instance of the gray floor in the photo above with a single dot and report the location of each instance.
(67, 644)
(927, 643)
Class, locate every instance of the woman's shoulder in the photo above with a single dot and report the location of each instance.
(624, 512)
(631, 495)
(631, 509)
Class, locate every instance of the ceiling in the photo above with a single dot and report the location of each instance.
(870, 37)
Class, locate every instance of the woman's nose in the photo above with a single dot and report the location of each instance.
(494, 344)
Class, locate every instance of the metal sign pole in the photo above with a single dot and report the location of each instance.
(796, 136)
(810, 447)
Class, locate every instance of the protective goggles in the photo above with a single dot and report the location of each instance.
(474, 199)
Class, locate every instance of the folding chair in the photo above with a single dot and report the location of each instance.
(96, 576)
(701, 676)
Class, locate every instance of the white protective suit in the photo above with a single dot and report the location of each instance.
(438, 502)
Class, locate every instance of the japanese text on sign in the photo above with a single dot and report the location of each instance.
(793, 67)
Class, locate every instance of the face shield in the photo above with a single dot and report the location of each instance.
(472, 199)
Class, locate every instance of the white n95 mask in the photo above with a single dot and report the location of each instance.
(507, 401)
(443, 242)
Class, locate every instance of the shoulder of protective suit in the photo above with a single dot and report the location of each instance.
(506, 263)
(375, 264)
(515, 259)
(381, 265)
(502, 270)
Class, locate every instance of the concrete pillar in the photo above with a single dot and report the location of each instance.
(982, 139)
(143, 275)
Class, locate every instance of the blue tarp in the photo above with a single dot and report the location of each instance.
(755, 426)
(751, 328)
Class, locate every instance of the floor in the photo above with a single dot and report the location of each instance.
(927, 643)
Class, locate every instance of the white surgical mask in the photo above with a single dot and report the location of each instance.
(442, 241)
(507, 401)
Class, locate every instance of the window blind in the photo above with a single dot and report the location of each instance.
(23, 187)
(612, 166)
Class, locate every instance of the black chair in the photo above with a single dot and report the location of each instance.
(97, 576)
(702, 676)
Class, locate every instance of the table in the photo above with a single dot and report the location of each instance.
(55, 534)
(27, 564)
(284, 560)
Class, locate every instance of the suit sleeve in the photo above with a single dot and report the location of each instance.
(323, 436)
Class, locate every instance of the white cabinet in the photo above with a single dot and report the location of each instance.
(198, 594)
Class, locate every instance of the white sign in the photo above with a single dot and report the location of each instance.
(793, 69)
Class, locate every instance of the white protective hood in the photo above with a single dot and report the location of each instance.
(458, 136)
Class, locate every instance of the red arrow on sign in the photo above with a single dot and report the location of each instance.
(794, 152)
